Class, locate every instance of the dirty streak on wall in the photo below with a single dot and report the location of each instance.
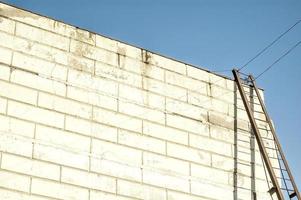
(85, 117)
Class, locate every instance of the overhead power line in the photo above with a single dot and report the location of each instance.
(280, 58)
(271, 44)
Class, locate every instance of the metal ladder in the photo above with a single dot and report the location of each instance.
(283, 183)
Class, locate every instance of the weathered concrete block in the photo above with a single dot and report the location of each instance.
(30, 167)
(15, 144)
(62, 138)
(92, 97)
(7, 25)
(19, 93)
(140, 191)
(117, 120)
(166, 181)
(16, 126)
(88, 180)
(141, 112)
(166, 164)
(65, 105)
(187, 124)
(5, 56)
(165, 133)
(141, 141)
(211, 145)
(189, 154)
(62, 191)
(60, 155)
(14, 181)
(4, 72)
(34, 81)
(92, 129)
(141, 97)
(42, 36)
(35, 114)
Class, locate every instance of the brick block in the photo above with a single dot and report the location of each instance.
(168, 63)
(117, 120)
(187, 124)
(189, 154)
(116, 74)
(16, 126)
(3, 105)
(96, 195)
(187, 110)
(7, 25)
(211, 145)
(62, 191)
(199, 100)
(92, 52)
(92, 98)
(209, 190)
(14, 195)
(35, 114)
(106, 43)
(143, 69)
(30, 167)
(142, 112)
(223, 134)
(172, 195)
(88, 180)
(115, 168)
(210, 174)
(62, 138)
(4, 72)
(140, 141)
(221, 120)
(140, 191)
(165, 180)
(221, 93)
(19, 93)
(217, 80)
(15, 144)
(39, 66)
(222, 162)
(164, 89)
(198, 74)
(42, 36)
(65, 105)
(186, 82)
(128, 50)
(14, 181)
(5, 55)
(165, 133)
(89, 128)
(33, 81)
(87, 81)
(115, 152)
(166, 164)
(220, 106)
(141, 97)
(61, 156)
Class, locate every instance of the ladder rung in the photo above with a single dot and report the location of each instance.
(292, 195)
(271, 148)
(286, 179)
(279, 169)
(286, 189)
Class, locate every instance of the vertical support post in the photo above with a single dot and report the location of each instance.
(276, 138)
(257, 135)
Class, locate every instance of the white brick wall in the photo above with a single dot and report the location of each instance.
(84, 117)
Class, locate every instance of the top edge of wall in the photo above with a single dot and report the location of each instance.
(79, 28)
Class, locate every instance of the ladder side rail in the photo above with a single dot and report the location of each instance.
(275, 137)
(257, 135)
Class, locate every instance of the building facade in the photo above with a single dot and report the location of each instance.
(85, 117)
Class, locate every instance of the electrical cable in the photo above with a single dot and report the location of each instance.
(280, 58)
(271, 44)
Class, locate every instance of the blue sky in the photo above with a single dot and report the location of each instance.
(214, 34)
